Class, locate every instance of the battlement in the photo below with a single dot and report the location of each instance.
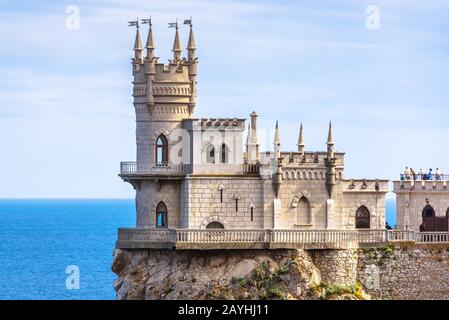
(309, 159)
(401, 186)
(218, 124)
(365, 185)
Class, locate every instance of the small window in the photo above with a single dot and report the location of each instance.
(161, 150)
(224, 153)
(210, 154)
(161, 215)
(236, 205)
(252, 214)
(221, 196)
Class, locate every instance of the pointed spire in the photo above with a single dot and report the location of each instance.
(301, 140)
(138, 43)
(191, 44)
(150, 42)
(176, 46)
(277, 137)
(248, 137)
(330, 135)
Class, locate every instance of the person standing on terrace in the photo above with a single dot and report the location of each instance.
(437, 174)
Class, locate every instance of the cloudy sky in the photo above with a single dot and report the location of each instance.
(66, 115)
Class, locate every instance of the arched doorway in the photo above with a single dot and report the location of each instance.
(362, 218)
(210, 154)
(161, 215)
(215, 225)
(428, 211)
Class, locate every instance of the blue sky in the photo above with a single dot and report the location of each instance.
(66, 115)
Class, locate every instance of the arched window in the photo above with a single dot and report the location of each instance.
(428, 211)
(161, 215)
(362, 218)
(161, 150)
(224, 153)
(210, 154)
(215, 225)
(303, 212)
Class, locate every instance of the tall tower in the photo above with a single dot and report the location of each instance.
(164, 95)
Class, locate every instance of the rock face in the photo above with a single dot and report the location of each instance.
(390, 272)
(226, 274)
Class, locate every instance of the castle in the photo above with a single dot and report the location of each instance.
(192, 173)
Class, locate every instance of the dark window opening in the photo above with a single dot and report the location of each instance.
(252, 214)
(161, 215)
(215, 225)
(221, 195)
(236, 204)
(362, 218)
(224, 153)
(161, 150)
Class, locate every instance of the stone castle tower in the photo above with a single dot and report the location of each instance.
(164, 95)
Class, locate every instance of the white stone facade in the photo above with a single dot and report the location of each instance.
(206, 179)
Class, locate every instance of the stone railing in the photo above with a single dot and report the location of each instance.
(432, 237)
(132, 168)
(251, 168)
(244, 238)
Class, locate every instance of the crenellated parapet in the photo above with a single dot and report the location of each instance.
(365, 185)
(423, 186)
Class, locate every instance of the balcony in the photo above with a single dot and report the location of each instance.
(130, 169)
(187, 239)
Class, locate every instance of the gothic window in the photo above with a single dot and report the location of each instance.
(303, 212)
(221, 195)
(161, 215)
(161, 150)
(236, 204)
(428, 211)
(210, 154)
(215, 225)
(224, 153)
(362, 218)
(252, 214)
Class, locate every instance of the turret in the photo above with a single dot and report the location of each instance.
(138, 46)
(301, 141)
(150, 42)
(277, 142)
(176, 47)
(252, 144)
(193, 62)
(330, 163)
(150, 63)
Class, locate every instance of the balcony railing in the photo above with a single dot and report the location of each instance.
(233, 238)
(132, 168)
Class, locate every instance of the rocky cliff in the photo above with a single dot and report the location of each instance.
(226, 274)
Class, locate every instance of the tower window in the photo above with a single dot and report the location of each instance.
(161, 150)
(224, 153)
(161, 215)
(210, 154)
(221, 196)
(252, 214)
(236, 204)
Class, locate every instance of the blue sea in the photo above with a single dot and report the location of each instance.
(41, 238)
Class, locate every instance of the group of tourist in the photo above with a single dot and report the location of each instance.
(410, 174)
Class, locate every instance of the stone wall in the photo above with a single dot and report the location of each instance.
(390, 272)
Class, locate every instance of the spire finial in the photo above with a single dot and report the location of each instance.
(138, 42)
(301, 139)
(277, 136)
(330, 135)
(176, 44)
(150, 42)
